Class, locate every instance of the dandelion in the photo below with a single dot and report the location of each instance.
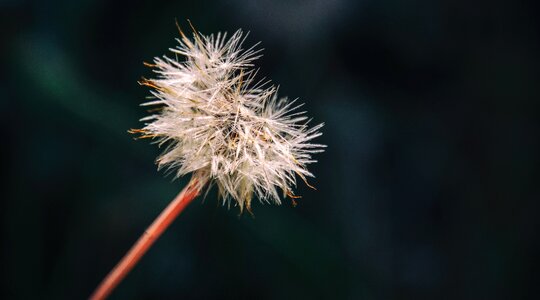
(222, 126)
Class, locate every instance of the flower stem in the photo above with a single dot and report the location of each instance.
(151, 234)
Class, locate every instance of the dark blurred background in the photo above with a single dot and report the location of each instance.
(426, 190)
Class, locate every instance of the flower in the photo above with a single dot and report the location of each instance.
(225, 127)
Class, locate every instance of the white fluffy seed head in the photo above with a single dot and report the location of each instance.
(225, 127)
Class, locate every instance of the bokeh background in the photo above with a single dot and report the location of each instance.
(428, 188)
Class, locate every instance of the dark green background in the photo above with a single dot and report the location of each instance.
(426, 190)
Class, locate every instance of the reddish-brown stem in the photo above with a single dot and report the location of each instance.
(146, 240)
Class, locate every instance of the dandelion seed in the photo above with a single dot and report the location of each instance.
(225, 127)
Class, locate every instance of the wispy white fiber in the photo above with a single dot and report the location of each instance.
(217, 121)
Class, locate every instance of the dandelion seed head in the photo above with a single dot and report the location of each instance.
(218, 122)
